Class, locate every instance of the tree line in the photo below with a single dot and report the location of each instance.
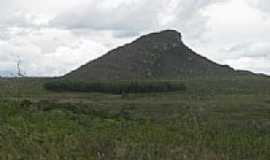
(115, 87)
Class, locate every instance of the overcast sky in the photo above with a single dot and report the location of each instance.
(53, 37)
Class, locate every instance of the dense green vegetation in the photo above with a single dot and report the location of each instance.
(214, 119)
(116, 87)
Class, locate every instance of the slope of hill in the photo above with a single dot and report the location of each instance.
(160, 55)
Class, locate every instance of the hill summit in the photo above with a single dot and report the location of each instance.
(161, 55)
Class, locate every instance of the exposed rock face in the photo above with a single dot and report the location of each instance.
(160, 55)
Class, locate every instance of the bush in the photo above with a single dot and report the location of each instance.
(25, 103)
(119, 87)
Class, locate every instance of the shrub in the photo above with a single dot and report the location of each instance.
(117, 87)
(25, 103)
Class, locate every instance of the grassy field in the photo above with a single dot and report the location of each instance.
(215, 119)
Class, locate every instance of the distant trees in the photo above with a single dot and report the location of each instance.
(118, 87)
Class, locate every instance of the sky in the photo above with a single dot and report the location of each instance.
(53, 37)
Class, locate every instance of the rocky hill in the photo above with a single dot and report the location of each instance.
(160, 55)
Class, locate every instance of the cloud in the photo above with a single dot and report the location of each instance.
(263, 5)
(53, 37)
(247, 63)
(17, 19)
(236, 38)
(130, 18)
(48, 52)
(253, 56)
(250, 50)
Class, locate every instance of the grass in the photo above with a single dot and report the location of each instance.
(213, 120)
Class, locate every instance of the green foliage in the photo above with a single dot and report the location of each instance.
(120, 87)
(26, 103)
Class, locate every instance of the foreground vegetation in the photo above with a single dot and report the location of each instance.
(212, 120)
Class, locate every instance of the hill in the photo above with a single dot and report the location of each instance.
(160, 55)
